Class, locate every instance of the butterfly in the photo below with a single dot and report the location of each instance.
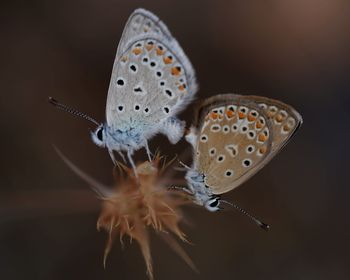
(234, 136)
(152, 80)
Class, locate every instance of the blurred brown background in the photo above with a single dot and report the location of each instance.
(293, 50)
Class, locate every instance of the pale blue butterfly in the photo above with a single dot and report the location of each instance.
(152, 80)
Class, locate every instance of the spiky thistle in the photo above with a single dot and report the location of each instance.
(136, 205)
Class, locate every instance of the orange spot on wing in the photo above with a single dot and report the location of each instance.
(214, 116)
(182, 87)
(286, 127)
(175, 71)
(279, 118)
(270, 114)
(136, 51)
(159, 51)
(258, 125)
(149, 47)
(229, 113)
(262, 137)
(167, 60)
(251, 118)
(241, 115)
(262, 150)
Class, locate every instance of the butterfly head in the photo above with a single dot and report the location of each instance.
(99, 136)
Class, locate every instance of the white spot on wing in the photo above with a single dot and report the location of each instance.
(251, 134)
(220, 158)
(234, 128)
(232, 150)
(204, 138)
(247, 162)
(225, 129)
(212, 152)
(215, 128)
(250, 149)
(229, 173)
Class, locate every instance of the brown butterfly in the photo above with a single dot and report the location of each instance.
(233, 138)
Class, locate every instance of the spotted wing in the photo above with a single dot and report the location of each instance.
(236, 139)
(141, 22)
(152, 78)
(285, 120)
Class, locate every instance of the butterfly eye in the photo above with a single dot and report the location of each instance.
(99, 134)
(215, 203)
(212, 204)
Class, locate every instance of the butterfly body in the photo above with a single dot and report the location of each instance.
(234, 137)
(118, 139)
(202, 195)
(133, 135)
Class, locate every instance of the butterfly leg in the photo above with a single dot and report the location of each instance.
(191, 137)
(111, 154)
(184, 165)
(182, 189)
(121, 155)
(174, 129)
(149, 154)
(132, 163)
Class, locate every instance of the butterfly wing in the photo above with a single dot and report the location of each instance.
(284, 118)
(141, 22)
(237, 137)
(152, 79)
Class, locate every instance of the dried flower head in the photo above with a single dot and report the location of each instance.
(136, 205)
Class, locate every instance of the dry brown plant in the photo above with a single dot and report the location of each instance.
(136, 205)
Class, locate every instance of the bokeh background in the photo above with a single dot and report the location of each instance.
(293, 50)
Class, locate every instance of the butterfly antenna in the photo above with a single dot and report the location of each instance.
(259, 223)
(72, 111)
